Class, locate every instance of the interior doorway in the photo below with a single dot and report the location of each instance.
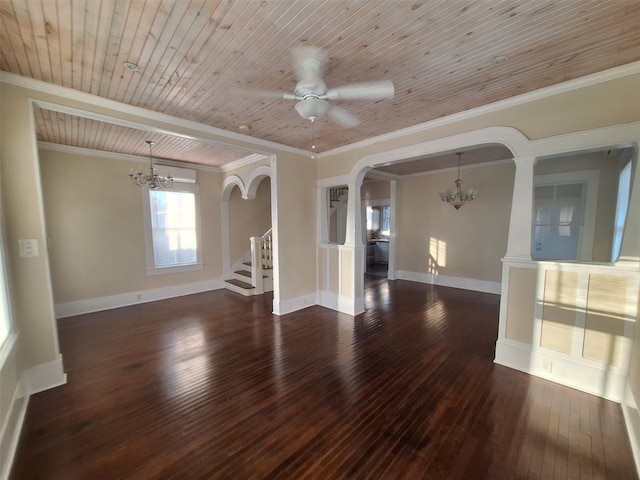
(376, 223)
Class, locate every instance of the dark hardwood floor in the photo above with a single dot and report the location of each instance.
(214, 386)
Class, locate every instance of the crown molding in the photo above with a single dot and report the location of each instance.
(252, 144)
(243, 162)
(569, 85)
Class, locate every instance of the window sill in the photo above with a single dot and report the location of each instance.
(176, 269)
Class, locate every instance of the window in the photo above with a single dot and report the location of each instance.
(624, 193)
(173, 233)
(5, 312)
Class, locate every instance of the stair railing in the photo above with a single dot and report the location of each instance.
(261, 258)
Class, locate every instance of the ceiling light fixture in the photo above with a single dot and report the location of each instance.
(458, 197)
(131, 66)
(500, 60)
(152, 179)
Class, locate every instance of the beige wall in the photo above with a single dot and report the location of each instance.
(248, 218)
(375, 190)
(434, 238)
(634, 371)
(296, 219)
(32, 298)
(96, 229)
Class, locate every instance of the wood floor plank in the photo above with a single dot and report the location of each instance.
(214, 386)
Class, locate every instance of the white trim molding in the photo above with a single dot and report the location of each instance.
(10, 433)
(590, 377)
(632, 422)
(483, 286)
(98, 304)
(282, 307)
(45, 376)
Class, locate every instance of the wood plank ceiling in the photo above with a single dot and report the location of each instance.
(199, 59)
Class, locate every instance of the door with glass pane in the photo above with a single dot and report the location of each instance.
(558, 221)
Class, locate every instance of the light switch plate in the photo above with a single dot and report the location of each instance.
(29, 247)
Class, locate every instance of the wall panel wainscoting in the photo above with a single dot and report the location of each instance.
(214, 386)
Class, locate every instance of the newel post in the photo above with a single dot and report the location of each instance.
(257, 279)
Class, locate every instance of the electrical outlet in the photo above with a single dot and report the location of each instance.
(139, 296)
(547, 365)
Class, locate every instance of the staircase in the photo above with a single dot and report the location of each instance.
(255, 276)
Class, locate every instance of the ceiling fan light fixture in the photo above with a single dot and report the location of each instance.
(312, 108)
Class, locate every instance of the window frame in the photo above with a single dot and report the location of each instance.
(152, 268)
(6, 343)
(622, 209)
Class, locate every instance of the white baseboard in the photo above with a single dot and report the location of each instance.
(283, 307)
(585, 376)
(34, 380)
(632, 422)
(445, 281)
(133, 298)
(10, 434)
(45, 376)
(341, 304)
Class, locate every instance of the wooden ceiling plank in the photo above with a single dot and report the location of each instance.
(112, 67)
(177, 69)
(23, 20)
(220, 49)
(228, 7)
(151, 26)
(176, 26)
(190, 61)
(12, 55)
(90, 18)
(121, 77)
(64, 40)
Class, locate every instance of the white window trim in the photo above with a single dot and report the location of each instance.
(590, 178)
(148, 235)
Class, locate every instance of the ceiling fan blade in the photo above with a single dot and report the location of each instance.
(342, 117)
(309, 63)
(367, 90)
(253, 93)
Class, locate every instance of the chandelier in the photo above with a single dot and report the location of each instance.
(152, 179)
(458, 197)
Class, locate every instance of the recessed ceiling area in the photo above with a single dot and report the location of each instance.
(439, 161)
(71, 130)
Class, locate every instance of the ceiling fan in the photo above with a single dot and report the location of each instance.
(313, 96)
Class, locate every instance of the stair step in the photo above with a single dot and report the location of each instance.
(244, 273)
(239, 283)
(248, 264)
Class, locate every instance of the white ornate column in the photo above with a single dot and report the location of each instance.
(351, 295)
(518, 253)
(519, 241)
